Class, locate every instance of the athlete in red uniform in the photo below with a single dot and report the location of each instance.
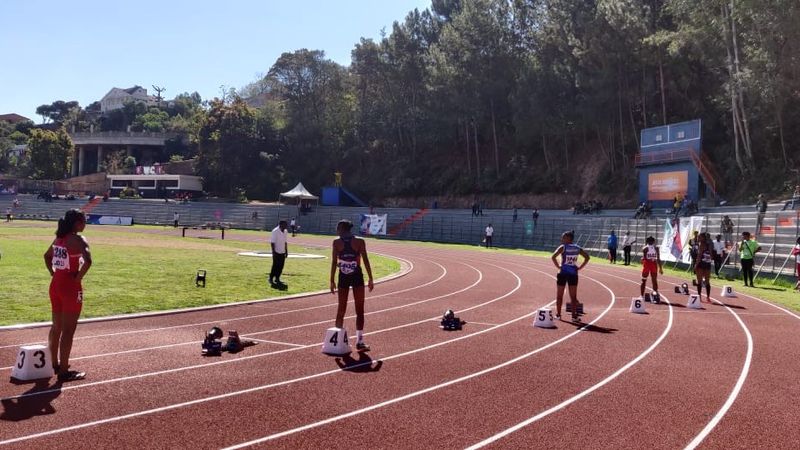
(651, 264)
(348, 252)
(68, 259)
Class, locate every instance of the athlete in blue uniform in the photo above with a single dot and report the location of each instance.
(348, 251)
(568, 272)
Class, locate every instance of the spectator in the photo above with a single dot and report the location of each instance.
(8, 214)
(693, 248)
(748, 249)
(796, 254)
(719, 253)
(727, 230)
(480, 210)
(761, 208)
(175, 218)
(627, 242)
(795, 199)
(514, 215)
(474, 209)
(535, 216)
(488, 235)
(612, 248)
(293, 227)
(280, 250)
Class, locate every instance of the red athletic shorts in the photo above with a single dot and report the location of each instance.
(66, 293)
(649, 267)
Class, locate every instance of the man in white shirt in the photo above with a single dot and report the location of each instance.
(627, 242)
(175, 218)
(280, 250)
(488, 235)
(719, 253)
(293, 227)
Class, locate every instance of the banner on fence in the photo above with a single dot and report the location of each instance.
(677, 233)
(373, 224)
(98, 219)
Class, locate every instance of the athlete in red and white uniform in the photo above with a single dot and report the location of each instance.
(651, 264)
(68, 259)
(348, 252)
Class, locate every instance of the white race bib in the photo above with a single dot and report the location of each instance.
(60, 258)
(347, 267)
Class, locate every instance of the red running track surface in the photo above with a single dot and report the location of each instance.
(721, 377)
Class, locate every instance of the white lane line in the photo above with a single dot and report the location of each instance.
(233, 319)
(438, 386)
(470, 322)
(263, 387)
(771, 304)
(736, 388)
(246, 358)
(278, 342)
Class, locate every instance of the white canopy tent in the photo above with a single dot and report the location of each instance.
(298, 193)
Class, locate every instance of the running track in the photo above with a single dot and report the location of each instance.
(722, 377)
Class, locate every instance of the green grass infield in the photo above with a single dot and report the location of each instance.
(138, 271)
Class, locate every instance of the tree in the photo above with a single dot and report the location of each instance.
(57, 111)
(50, 154)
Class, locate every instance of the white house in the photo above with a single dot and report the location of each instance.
(116, 98)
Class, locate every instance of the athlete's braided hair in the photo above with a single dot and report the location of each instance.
(67, 223)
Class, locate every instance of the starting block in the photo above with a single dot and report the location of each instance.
(685, 289)
(647, 297)
(569, 307)
(450, 322)
(336, 342)
(637, 306)
(727, 291)
(200, 279)
(655, 298)
(694, 302)
(212, 346)
(33, 363)
(677, 289)
(544, 318)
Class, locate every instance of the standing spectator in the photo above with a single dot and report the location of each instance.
(727, 230)
(514, 215)
(474, 209)
(535, 216)
(796, 254)
(761, 208)
(719, 254)
(488, 235)
(627, 242)
(8, 214)
(693, 248)
(748, 249)
(795, 199)
(175, 218)
(293, 227)
(280, 250)
(612, 248)
(480, 210)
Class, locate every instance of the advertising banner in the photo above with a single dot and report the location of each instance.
(665, 185)
(677, 232)
(98, 219)
(373, 224)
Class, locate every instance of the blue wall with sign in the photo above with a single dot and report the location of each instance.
(667, 149)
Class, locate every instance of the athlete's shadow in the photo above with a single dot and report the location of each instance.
(718, 303)
(590, 327)
(24, 408)
(364, 364)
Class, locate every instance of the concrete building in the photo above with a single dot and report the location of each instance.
(13, 118)
(116, 98)
(92, 147)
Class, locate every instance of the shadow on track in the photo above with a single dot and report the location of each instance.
(25, 408)
(364, 364)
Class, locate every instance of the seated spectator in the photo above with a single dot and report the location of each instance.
(794, 200)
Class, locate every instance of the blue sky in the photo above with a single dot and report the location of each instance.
(78, 50)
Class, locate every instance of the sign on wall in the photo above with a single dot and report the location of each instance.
(373, 224)
(665, 185)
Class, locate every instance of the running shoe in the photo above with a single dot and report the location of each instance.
(360, 346)
(71, 375)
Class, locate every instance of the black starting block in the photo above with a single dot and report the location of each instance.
(647, 297)
(685, 288)
(450, 322)
(234, 344)
(655, 298)
(200, 279)
(212, 346)
(677, 289)
(580, 307)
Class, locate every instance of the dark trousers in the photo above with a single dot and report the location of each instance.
(488, 241)
(612, 254)
(626, 250)
(747, 271)
(278, 259)
(717, 263)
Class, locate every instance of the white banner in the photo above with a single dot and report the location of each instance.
(373, 224)
(674, 244)
(96, 219)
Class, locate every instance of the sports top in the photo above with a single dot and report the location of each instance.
(348, 258)
(569, 259)
(651, 254)
(63, 261)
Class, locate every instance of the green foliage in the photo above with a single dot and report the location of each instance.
(128, 192)
(50, 154)
(58, 111)
(154, 120)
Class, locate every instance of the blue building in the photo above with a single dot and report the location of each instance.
(671, 163)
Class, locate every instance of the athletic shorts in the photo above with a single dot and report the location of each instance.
(563, 279)
(355, 279)
(798, 269)
(66, 294)
(649, 267)
(702, 265)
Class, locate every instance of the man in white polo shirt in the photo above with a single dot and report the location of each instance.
(488, 235)
(280, 250)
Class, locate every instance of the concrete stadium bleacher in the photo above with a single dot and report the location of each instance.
(452, 225)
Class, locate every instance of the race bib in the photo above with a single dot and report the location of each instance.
(60, 258)
(347, 267)
(571, 260)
